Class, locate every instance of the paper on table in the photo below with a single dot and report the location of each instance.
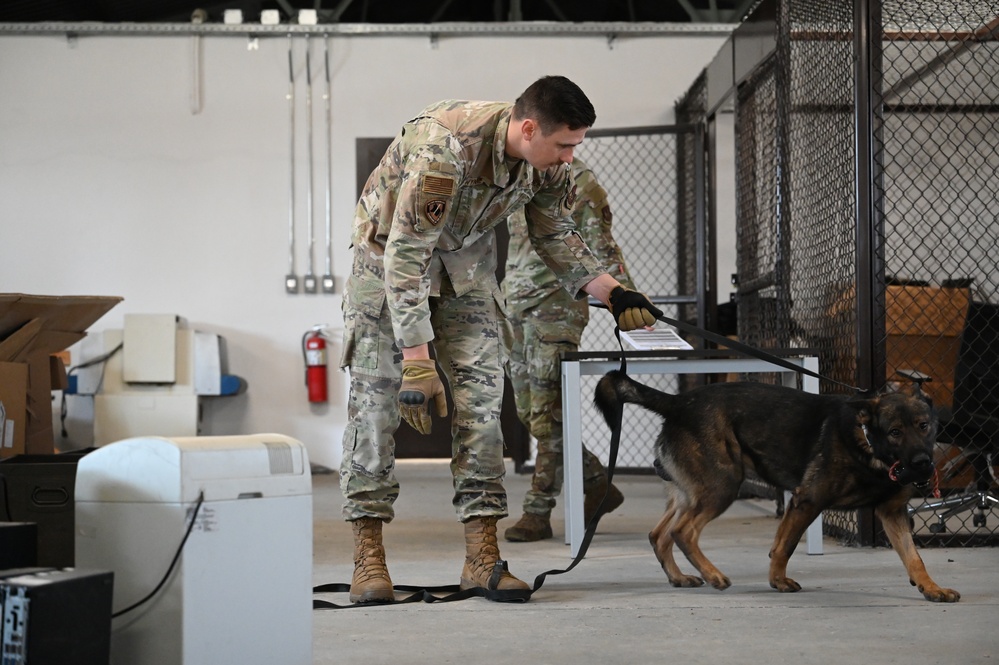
(657, 339)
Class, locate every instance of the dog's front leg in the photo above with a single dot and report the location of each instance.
(895, 520)
(798, 514)
(661, 538)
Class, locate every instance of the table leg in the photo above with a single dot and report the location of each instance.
(572, 456)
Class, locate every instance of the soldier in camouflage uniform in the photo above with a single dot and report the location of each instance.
(424, 263)
(547, 321)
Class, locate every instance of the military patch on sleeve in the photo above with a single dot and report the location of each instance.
(434, 210)
(436, 184)
(570, 198)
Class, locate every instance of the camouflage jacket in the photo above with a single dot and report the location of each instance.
(529, 282)
(428, 210)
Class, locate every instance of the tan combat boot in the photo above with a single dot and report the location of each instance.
(594, 494)
(371, 582)
(530, 528)
(481, 557)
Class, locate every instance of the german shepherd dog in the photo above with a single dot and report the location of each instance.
(830, 451)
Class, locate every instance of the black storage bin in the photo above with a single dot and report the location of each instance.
(40, 489)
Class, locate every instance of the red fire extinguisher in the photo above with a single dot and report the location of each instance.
(314, 350)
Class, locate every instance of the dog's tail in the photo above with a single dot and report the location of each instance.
(616, 389)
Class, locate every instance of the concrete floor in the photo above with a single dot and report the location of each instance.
(616, 606)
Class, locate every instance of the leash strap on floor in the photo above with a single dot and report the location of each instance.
(419, 594)
(454, 592)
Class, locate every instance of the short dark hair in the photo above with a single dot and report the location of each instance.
(554, 101)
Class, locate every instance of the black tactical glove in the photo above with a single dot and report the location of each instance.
(632, 309)
(420, 384)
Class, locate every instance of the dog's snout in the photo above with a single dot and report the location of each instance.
(921, 467)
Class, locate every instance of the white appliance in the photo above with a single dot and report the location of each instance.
(241, 591)
(156, 372)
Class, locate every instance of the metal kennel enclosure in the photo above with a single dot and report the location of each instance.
(867, 162)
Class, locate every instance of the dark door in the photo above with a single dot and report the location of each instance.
(408, 442)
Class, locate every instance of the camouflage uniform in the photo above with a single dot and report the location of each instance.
(424, 264)
(546, 322)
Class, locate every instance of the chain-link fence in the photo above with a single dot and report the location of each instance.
(796, 205)
(940, 95)
(866, 221)
(693, 213)
(639, 170)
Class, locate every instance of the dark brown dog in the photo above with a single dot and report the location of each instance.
(830, 451)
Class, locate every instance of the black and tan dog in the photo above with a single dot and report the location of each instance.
(831, 451)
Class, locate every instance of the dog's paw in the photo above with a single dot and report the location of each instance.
(686, 581)
(720, 582)
(784, 584)
(940, 595)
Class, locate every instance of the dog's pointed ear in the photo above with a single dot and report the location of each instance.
(865, 408)
(918, 392)
(913, 389)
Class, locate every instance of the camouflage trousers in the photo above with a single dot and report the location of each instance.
(541, 334)
(471, 337)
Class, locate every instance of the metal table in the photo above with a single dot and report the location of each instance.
(577, 364)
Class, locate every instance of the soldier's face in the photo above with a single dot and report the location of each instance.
(545, 151)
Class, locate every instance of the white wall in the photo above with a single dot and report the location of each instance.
(111, 185)
(726, 209)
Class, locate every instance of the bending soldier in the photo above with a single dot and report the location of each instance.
(424, 272)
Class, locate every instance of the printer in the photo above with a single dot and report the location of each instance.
(240, 590)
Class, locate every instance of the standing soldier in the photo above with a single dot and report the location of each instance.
(424, 271)
(547, 321)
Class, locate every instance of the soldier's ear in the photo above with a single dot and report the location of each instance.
(527, 128)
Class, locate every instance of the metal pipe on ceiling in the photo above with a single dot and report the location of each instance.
(534, 28)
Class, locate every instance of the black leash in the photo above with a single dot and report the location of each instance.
(418, 594)
(752, 351)
(454, 592)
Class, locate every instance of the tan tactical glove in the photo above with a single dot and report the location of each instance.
(420, 383)
(632, 309)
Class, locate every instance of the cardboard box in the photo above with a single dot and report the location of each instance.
(13, 407)
(32, 329)
(924, 326)
(927, 311)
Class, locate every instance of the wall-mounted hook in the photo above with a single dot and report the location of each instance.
(198, 17)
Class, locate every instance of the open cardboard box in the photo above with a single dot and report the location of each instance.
(33, 329)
